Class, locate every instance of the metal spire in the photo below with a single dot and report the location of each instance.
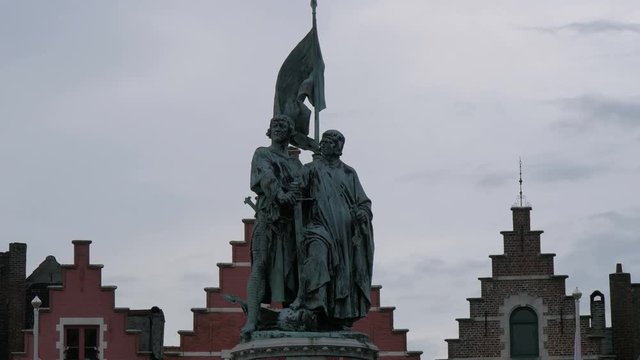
(520, 181)
(521, 200)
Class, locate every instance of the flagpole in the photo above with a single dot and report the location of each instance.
(316, 113)
(316, 124)
(314, 5)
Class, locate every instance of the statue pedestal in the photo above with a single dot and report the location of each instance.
(292, 345)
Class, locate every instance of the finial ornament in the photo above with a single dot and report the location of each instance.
(520, 181)
(521, 200)
(577, 294)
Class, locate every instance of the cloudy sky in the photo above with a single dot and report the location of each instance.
(133, 124)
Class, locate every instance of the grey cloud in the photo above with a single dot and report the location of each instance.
(197, 278)
(555, 171)
(122, 280)
(599, 26)
(424, 176)
(620, 221)
(543, 172)
(447, 268)
(424, 344)
(416, 270)
(551, 171)
(484, 179)
(494, 180)
(592, 110)
(591, 27)
(610, 238)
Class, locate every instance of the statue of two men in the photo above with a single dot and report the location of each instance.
(326, 271)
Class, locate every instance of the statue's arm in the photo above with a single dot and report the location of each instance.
(263, 179)
(362, 200)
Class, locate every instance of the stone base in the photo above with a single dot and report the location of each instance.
(283, 345)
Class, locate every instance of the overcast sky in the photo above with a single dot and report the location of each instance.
(133, 124)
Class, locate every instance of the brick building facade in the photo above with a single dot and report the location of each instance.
(523, 310)
(82, 322)
(13, 267)
(625, 315)
(216, 327)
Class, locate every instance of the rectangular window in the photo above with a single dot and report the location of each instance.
(81, 343)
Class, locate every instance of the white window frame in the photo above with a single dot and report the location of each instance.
(81, 321)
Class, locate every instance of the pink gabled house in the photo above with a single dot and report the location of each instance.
(82, 322)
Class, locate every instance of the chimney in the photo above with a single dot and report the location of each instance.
(597, 312)
(521, 218)
(621, 324)
(81, 252)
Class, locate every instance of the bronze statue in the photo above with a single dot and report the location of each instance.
(312, 243)
(274, 274)
(337, 251)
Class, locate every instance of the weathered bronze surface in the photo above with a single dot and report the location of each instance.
(274, 275)
(312, 245)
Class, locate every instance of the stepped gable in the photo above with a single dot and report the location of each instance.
(82, 303)
(523, 307)
(216, 328)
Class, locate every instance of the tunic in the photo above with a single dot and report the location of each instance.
(273, 238)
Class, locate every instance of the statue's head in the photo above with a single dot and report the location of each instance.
(282, 126)
(332, 143)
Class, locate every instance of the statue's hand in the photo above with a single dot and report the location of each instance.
(286, 198)
(362, 216)
(295, 189)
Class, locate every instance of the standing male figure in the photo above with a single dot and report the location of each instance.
(337, 260)
(274, 274)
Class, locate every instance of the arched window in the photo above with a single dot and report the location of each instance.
(523, 326)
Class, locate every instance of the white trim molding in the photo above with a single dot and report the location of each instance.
(79, 321)
(504, 312)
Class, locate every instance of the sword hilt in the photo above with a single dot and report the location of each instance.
(250, 202)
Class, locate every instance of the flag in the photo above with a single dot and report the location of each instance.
(301, 76)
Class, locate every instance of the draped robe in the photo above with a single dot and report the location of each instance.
(337, 250)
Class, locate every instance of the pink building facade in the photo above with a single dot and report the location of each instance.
(82, 321)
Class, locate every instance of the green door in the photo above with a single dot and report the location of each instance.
(523, 326)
